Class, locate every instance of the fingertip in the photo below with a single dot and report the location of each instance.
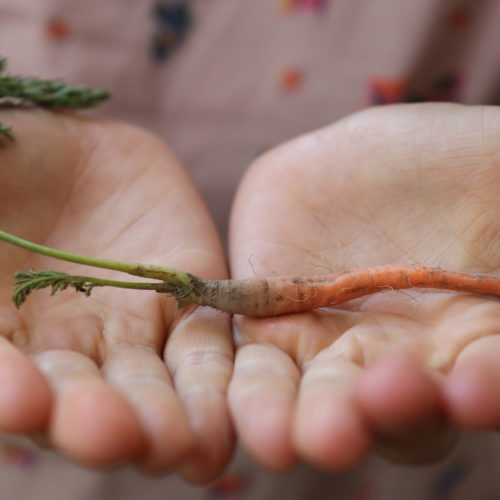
(25, 396)
(472, 394)
(170, 439)
(331, 433)
(264, 428)
(94, 425)
(215, 438)
(141, 378)
(262, 396)
(397, 391)
(404, 405)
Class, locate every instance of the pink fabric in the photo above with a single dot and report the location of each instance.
(219, 99)
(248, 75)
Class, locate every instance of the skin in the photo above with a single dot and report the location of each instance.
(116, 377)
(402, 372)
(143, 382)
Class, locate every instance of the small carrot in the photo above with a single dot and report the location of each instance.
(258, 297)
(261, 297)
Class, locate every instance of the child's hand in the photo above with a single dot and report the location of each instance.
(398, 371)
(121, 375)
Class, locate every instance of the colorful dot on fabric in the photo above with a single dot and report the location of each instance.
(172, 24)
(364, 490)
(291, 79)
(294, 5)
(310, 4)
(448, 480)
(446, 88)
(459, 18)
(17, 455)
(387, 90)
(286, 5)
(230, 486)
(58, 29)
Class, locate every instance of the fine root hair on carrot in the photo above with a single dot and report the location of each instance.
(276, 296)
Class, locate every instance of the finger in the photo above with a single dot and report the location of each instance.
(329, 430)
(90, 422)
(142, 378)
(471, 390)
(403, 404)
(262, 397)
(25, 398)
(199, 355)
(396, 392)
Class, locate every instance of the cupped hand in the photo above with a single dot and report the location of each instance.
(401, 371)
(121, 375)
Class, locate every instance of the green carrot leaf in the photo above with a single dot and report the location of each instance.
(16, 91)
(36, 280)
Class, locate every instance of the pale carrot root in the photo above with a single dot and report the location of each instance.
(275, 296)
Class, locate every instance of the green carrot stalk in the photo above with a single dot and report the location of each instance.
(173, 282)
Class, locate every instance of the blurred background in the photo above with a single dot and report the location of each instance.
(222, 81)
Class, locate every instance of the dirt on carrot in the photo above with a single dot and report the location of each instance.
(263, 297)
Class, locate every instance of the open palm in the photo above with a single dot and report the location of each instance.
(121, 375)
(398, 370)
